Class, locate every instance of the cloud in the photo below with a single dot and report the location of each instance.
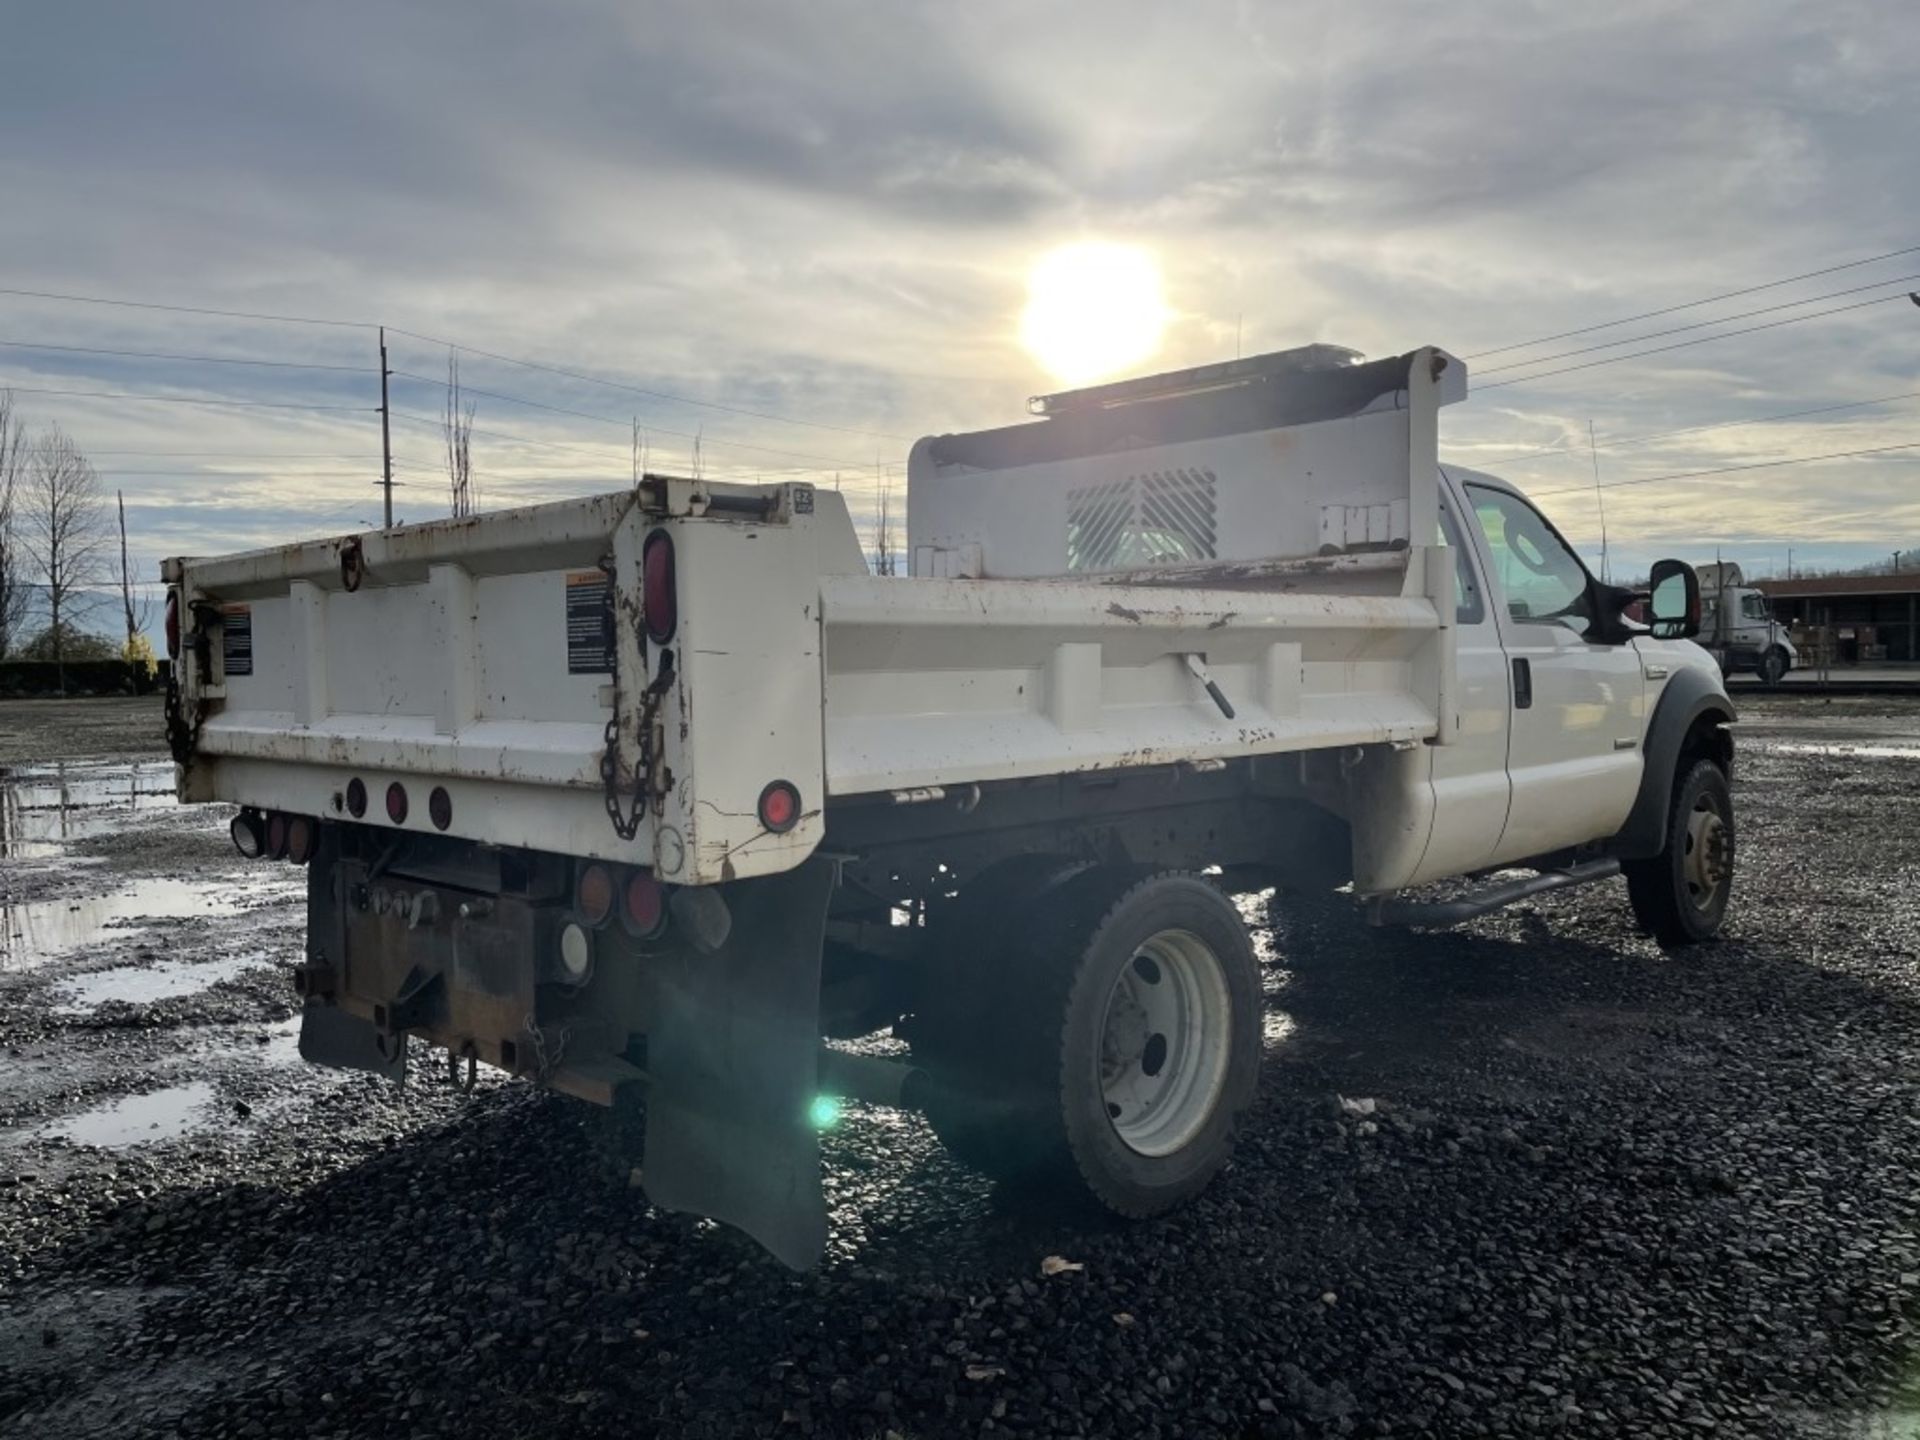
(828, 211)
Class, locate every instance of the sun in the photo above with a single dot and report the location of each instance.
(1094, 309)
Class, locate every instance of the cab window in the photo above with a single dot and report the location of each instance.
(1539, 577)
(1468, 608)
(1754, 607)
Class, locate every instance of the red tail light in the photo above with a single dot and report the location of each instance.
(397, 803)
(440, 807)
(173, 624)
(301, 835)
(356, 797)
(276, 836)
(643, 905)
(593, 894)
(658, 592)
(780, 807)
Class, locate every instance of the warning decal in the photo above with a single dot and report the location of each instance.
(589, 624)
(236, 639)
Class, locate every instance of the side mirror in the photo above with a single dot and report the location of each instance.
(1673, 601)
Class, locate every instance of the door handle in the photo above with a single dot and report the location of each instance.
(1522, 684)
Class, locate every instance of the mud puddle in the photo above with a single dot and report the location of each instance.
(136, 1119)
(259, 1061)
(45, 807)
(1843, 750)
(145, 984)
(37, 931)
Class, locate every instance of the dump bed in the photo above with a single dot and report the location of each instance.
(630, 676)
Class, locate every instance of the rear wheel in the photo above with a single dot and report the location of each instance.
(957, 1028)
(1127, 1043)
(1680, 895)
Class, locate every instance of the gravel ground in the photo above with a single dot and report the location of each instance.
(117, 727)
(1533, 1177)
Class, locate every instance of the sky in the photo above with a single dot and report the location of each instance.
(803, 235)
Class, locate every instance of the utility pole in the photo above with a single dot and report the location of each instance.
(386, 432)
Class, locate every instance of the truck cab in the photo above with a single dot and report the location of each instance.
(1738, 627)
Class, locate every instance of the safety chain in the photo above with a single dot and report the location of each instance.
(626, 819)
(626, 823)
(544, 1064)
(183, 730)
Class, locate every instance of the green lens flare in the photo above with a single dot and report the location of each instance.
(824, 1112)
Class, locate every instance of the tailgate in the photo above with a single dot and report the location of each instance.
(494, 657)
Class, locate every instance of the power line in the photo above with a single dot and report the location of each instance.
(1684, 344)
(1621, 444)
(451, 344)
(640, 390)
(186, 309)
(466, 389)
(188, 359)
(243, 474)
(585, 447)
(1903, 280)
(182, 399)
(1728, 470)
(231, 454)
(1691, 304)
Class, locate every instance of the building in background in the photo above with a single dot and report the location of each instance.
(1858, 619)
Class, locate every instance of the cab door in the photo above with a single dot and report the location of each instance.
(1471, 792)
(1577, 705)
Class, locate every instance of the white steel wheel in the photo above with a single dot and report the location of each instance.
(1165, 1042)
(1115, 989)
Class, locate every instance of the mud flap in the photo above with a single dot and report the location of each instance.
(331, 1036)
(732, 1063)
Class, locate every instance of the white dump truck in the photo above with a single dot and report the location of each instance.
(648, 797)
(1737, 626)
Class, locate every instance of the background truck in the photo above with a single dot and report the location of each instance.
(1737, 626)
(648, 796)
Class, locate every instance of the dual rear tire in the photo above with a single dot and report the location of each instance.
(1094, 1031)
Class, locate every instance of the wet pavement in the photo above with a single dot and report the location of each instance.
(1531, 1177)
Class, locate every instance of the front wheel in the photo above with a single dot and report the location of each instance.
(1680, 895)
(1129, 1041)
(1773, 665)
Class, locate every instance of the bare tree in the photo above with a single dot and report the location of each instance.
(66, 528)
(138, 608)
(15, 592)
(458, 427)
(883, 557)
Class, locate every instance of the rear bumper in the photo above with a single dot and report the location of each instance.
(714, 1029)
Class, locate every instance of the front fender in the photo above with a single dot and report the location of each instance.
(1690, 695)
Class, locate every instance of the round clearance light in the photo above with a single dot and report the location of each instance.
(397, 803)
(643, 905)
(780, 807)
(593, 894)
(276, 836)
(249, 834)
(302, 832)
(440, 807)
(356, 797)
(659, 595)
(576, 951)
